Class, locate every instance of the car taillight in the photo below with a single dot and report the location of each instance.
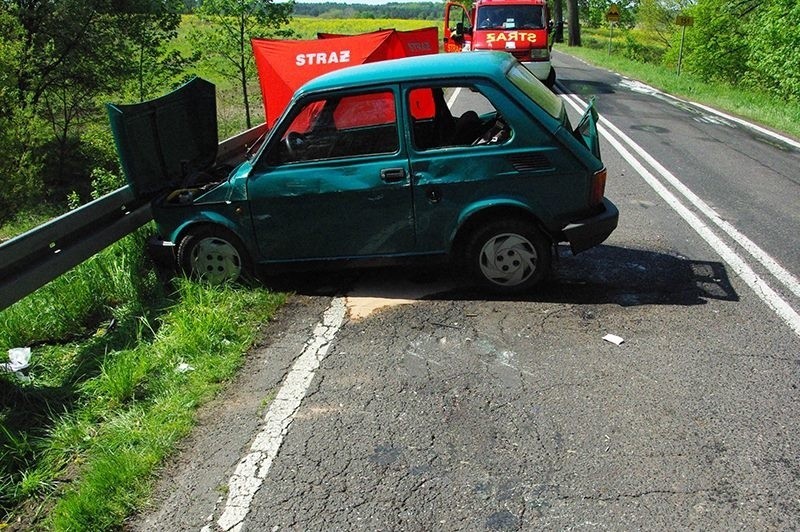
(540, 54)
(598, 187)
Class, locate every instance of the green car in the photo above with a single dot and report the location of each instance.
(441, 157)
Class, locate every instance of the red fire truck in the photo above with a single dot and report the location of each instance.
(520, 27)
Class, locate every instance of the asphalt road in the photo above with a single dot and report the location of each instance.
(445, 410)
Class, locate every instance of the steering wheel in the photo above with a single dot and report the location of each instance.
(492, 133)
(294, 142)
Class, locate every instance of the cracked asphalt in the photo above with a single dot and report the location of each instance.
(462, 413)
(450, 409)
(511, 415)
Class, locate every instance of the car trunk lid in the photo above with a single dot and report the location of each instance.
(586, 130)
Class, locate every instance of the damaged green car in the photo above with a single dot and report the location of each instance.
(469, 160)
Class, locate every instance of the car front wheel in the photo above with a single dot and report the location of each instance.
(508, 256)
(213, 254)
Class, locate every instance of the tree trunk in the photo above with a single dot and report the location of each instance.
(246, 99)
(558, 12)
(574, 23)
(243, 67)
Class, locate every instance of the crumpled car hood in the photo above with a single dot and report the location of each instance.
(164, 141)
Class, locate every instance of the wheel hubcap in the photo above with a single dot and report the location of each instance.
(216, 261)
(508, 259)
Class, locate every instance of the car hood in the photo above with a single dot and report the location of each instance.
(163, 141)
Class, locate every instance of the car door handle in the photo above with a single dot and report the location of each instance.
(393, 175)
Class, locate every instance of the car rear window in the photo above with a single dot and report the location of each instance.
(536, 91)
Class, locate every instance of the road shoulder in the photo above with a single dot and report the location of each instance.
(189, 487)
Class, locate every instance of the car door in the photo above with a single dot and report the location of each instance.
(334, 182)
(476, 149)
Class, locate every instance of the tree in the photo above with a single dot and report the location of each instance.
(71, 55)
(658, 17)
(234, 23)
(747, 42)
(155, 67)
(574, 23)
(558, 14)
(774, 59)
(19, 165)
(717, 46)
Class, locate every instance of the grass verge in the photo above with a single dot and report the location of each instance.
(756, 106)
(25, 220)
(119, 367)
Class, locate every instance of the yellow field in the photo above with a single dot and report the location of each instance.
(307, 28)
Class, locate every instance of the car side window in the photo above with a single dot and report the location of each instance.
(443, 117)
(341, 126)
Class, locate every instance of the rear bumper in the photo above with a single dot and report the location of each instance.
(589, 232)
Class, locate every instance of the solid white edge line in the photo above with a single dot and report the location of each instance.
(780, 273)
(253, 468)
(739, 266)
(453, 97)
(738, 120)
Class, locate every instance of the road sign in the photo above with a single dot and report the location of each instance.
(612, 15)
(683, 21)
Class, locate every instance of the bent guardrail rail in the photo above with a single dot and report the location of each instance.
(38, 256)
(33, 259)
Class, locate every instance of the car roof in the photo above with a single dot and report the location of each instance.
(409, 69)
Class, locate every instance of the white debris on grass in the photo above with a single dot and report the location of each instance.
(19, 359)
(183, 367)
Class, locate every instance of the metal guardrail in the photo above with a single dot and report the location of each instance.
(33, 259)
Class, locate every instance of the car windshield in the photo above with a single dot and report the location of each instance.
(520, 17)
(536, 91)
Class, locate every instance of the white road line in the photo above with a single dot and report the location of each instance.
(780, 273)
(253, 468)
(453, 97)
(739, 266)
(636, 85)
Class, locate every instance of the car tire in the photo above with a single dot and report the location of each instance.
(551, 79)
(214, 254)
(508, 256)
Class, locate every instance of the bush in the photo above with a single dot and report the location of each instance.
(774, 60)
(637, 51)
(21, 143)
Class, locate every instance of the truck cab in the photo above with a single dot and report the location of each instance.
(519, 27)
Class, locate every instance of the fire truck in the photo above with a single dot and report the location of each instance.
(520, 27)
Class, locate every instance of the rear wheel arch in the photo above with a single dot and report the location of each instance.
(505, 250)
(484, 216)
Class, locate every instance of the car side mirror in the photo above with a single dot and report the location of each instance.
(550, 25)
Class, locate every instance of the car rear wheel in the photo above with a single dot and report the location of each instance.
(508, 256)
(213, 254)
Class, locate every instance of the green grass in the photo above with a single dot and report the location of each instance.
(753, 105)
(26, 220)
(106, 402)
